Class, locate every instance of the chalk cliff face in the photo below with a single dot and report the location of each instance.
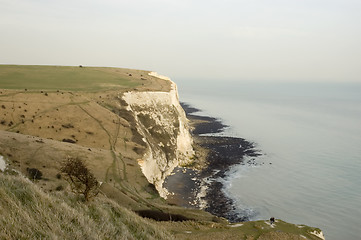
(163, 124)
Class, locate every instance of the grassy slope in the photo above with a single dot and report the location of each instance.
(105, 138)
(29, 213)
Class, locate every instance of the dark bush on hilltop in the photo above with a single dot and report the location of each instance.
(34, 174)
(81, 180)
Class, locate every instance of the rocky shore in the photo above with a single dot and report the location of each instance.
(201, 186)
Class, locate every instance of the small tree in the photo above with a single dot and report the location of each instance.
(81, 180)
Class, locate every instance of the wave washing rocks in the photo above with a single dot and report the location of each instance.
(203, 187)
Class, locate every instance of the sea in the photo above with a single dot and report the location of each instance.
(309, 135)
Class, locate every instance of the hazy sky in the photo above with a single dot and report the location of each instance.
(311, 40)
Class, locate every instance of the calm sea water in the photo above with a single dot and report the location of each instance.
(310, 135)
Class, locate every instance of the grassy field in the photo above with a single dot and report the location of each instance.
(67, 78)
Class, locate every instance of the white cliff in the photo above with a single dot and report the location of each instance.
(163, 124)
(318, 234)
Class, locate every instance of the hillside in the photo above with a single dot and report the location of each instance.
(129, 128)
(29, 213)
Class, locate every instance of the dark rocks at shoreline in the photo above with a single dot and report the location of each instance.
(204, 124)
(185, 184)
(188, 109)
(224, 152)
(222, 206)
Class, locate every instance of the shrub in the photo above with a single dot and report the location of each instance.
(81, 180)
(34, 174)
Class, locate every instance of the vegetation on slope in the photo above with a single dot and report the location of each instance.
(29, 213)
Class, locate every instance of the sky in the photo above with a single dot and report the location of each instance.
(250, 40)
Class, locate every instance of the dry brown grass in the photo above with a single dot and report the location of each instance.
(29, 213)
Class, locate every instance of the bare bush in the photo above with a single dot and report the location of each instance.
(81, 180)
(34, 174)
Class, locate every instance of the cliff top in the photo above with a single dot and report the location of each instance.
(79, 78)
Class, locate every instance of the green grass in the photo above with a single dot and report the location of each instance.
(64, 78)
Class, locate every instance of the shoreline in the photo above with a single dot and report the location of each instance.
(201, 185)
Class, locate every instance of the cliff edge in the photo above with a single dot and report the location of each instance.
(162, 122)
